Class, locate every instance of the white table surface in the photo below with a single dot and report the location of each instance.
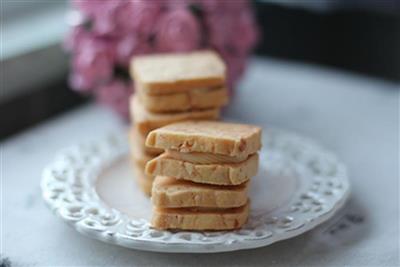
(355, 116)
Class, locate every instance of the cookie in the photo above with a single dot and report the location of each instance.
(146, 121)
(144, 181)
(215, 173)
(138, 147)
(200, 219)
(175, 73)
(232, 139)
(204, 158)
(195, 99)
(169, 192)
(140, 158)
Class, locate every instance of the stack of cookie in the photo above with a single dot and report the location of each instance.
(202, 178)
(172, 88)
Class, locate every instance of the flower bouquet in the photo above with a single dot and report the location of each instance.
(106, 34)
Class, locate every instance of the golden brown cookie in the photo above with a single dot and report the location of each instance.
(146, 121)
(144, 181)
(232, 139)
(215, 173)
(169, 192)
(200, 219)
(179, 72)
(194, 99)
(138, 147)
(140, 158)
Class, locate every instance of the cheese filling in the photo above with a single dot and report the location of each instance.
(204, 158)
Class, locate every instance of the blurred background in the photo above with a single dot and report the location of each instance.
(362, 37)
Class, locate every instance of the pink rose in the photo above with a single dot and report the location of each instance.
(223, 6)
(117, 17)
(80, 82)
(221, 32)
(105, 18)
(236, 6)
(173, 4)
(210, 5)
(245, 27)
(88, 7)
(236, 64)
(115, 94)
(144, 15)
(121, 29)
(236, 67)
(92, 64)
(178, 30)
(74, 38)
(128, 46)
(237, 32)
(112, 17)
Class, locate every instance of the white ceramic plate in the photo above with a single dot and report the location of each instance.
(91, 187)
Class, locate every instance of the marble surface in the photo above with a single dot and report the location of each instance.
(354, 116)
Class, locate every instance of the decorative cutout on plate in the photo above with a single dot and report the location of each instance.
(68, 189)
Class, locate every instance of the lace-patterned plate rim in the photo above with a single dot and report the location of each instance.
(68, 189)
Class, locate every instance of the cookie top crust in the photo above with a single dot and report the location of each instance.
(232, 139)
(147, 121)
(173, 73)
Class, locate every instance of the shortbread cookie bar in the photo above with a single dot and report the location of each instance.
(147, 121)
(231, 139)
(213, 173)
(180, 72)
(169, 192)
(138, 147)
(201, 98)
(200, 219)
(144, 181)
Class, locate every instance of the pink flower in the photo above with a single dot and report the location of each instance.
(115, 94)
(92, 64)
(236, 32)
(178, 30)
(236, 6)
(221, 31)
(245, 28)
(210, 5)
(128, 46)
(236, 64)
(223, 6)
(112, 17)
(74, 38)
(236, 67)
(123, 16)
(173, 4)
(122, 29)
(80, 82)
(144, 15)
(88, 7)
(106, 19)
